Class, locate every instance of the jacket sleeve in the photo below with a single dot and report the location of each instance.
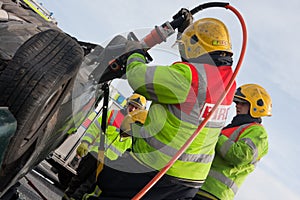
(248, 149)
(94, 130)
(164, 84)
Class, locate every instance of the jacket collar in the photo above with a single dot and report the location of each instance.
(243, 119)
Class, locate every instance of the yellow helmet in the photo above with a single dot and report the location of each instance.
(260, 101)
(137, 100)
(204, 36)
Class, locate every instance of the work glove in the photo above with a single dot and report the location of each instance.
(82, 149)
(187, 16)
(125, 128)
(139, 116)
(136, 116)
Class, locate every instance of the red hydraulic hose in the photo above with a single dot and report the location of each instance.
(204, 122)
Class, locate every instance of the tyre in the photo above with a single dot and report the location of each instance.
(3, 65)
(32, 86)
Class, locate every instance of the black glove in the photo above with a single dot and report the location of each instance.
(187, 16)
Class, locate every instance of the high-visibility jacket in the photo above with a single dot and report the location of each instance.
(182, 96)
(114, 147)
(237, 152)
(96, 193)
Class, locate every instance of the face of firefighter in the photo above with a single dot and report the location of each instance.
(131, 108)
(242, 107)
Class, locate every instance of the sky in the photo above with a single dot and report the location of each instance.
(271, 61)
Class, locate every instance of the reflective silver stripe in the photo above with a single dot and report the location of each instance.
(89, 135)
(251, 144)
(193, 117)
(214, 124)
(111, 147)
(170, 151)
(202, 84)
(228, 182)
(150, 83)
(183, 116)
(98, 125)
(133, 59)
(236, 133)
(225, 147)
(95, 193)
(96, 143)
(114, 149)
(112, 119)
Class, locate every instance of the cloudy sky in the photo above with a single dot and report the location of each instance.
(271, 61)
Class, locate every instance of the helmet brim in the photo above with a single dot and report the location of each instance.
(239, 100)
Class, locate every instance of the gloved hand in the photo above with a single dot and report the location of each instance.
(136, 116)
(139, 116)
(125, 128)
(82, 149)
(187, 16)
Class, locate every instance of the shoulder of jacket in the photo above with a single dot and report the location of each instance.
(255, 126)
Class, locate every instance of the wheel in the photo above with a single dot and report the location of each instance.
(3, 65)
(33, 85)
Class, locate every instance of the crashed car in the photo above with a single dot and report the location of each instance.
(49, 83)
(44, 87)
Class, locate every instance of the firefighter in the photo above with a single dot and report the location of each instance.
(138, 117)
(182, 94)
(240, 146)
(114, 146)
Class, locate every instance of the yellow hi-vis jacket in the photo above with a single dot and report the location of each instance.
(182, 95)
(237, 152)
(114, 147)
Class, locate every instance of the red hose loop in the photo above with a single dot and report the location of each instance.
(204, 122)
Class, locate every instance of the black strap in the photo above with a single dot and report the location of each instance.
(105, 88)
